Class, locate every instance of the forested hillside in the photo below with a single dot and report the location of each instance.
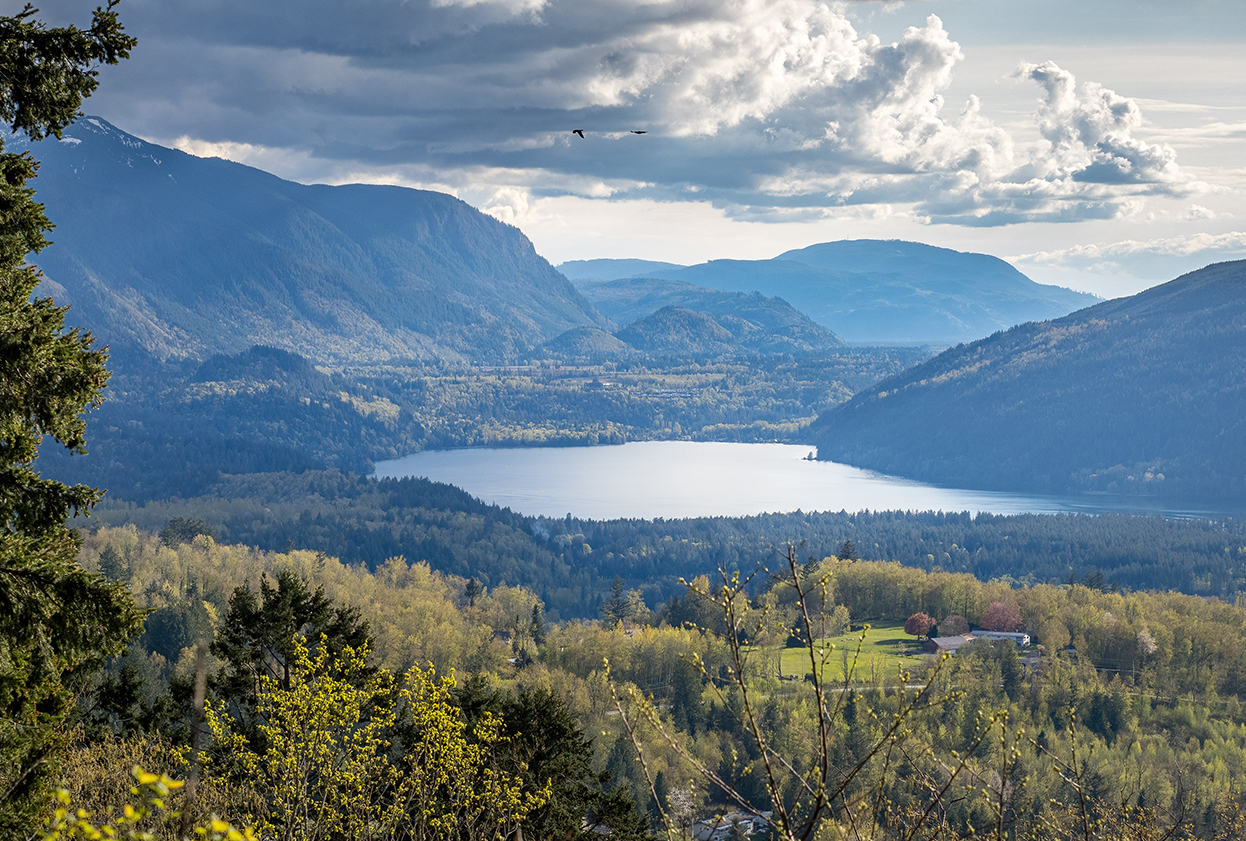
(570, 563)
(1123, 721)
(173, 429)
(184, 257)
(1142, 395)
(681, 333)
(772, 324)
(876, 291)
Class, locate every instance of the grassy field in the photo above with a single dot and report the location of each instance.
(885, 649)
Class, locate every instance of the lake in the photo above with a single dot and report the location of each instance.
(674, 479)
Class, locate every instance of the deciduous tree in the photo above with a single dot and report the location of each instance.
(918, 625)
(1002, 616)
(325, 766)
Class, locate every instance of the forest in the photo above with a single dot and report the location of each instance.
(1124, 720)
(169, 429)
(570, 563)
(249, 640)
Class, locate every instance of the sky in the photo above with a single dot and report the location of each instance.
(1096, 144)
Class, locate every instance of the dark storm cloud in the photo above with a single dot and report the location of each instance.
(767, 108)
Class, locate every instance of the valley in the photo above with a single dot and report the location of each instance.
(338, 512)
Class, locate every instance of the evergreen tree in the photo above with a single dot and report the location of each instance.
(55, 617)
(538, 625)
(619, 607)
(258, 637)
(181, 530)
(544, 743)
(111, 566)
(659, 801)
(177, 626)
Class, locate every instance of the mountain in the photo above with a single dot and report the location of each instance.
(607, 269)
(1145, 394)
(881, 291)
(786, 329)
(183, 257)
(591, 344)
(674, 331)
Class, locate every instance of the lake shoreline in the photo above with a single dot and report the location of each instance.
(689, 479)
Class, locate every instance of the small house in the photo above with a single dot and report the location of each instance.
(937, 645)
(719, 827)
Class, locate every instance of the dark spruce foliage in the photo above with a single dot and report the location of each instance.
(56, 620)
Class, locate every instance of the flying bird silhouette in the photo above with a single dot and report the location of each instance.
(578, 131)
(639, 132)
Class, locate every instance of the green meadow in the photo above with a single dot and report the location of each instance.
(882, 651)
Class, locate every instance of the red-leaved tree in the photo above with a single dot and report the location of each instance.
(918, 625)
(1002, 616)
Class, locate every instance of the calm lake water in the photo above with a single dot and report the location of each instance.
(674, 479)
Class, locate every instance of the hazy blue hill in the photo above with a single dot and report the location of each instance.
(892, 292)
(674, 331)
(1145, 394)
(606, 269)
(264, 364)
(938, 268)
(185, 257)
(788, 330)
(591, 344)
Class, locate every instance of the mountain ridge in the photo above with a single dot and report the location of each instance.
(885, 291)
(1143, 394)
(188, 256)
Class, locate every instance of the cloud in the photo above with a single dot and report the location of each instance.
(1208, 133)
(1089, 134)
(1161, 258)
(1197, 213)
(769, 109)
(1229, 243)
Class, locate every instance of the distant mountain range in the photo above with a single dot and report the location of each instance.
(179, 257)
(1145, 394)
(671, 318)
(871, 291)
(183, 257)
(606, 269)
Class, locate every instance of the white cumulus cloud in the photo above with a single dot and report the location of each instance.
(766, 108)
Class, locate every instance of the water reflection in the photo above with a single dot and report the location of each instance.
(695, 479)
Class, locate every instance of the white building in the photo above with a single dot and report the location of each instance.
(718, 828)
(1021, 640)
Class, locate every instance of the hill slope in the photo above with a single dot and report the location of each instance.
(1145, 394)
(773, 325)
(888, 291)
(184, 257)
(607, 269)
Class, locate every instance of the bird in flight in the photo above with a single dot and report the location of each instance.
(578, 131)
(639, 132)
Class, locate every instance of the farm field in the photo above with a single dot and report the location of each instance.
(883, 650)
